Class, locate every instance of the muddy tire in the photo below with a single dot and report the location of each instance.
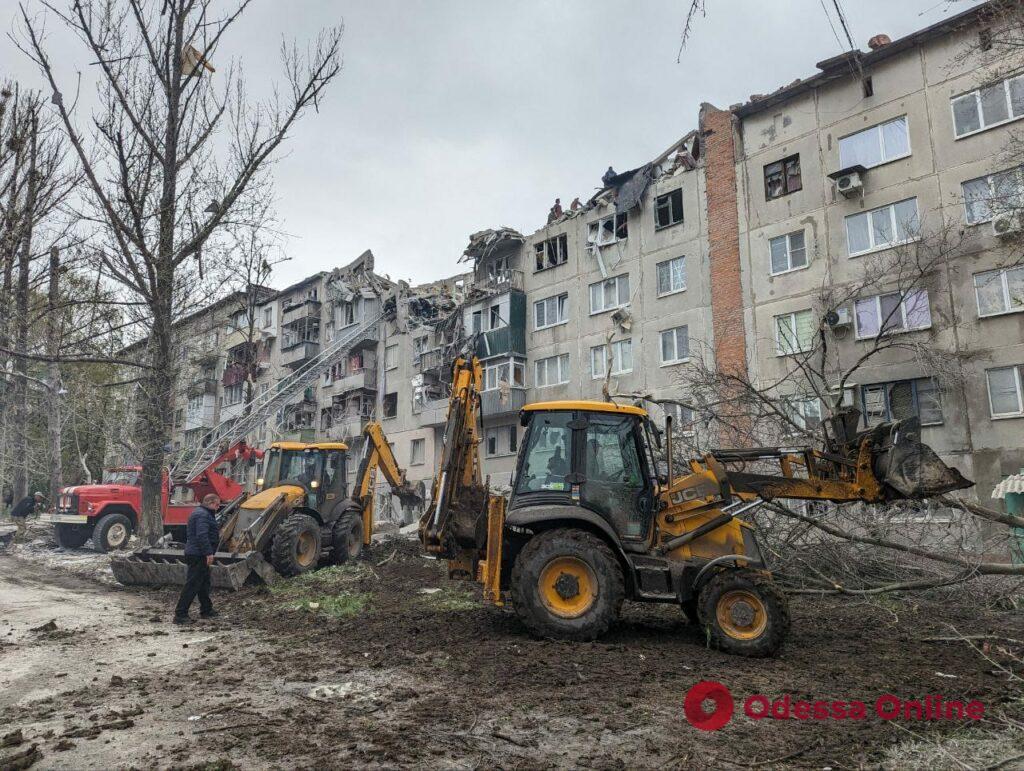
(72, 536)
(112, 532)
(744, 613)
(296, 545)
(690, 611)
(347, 537)
(567, 584)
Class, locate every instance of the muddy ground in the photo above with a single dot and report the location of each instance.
(385, 663)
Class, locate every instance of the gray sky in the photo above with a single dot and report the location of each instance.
(452, 116)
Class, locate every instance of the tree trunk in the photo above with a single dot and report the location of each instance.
(53, 418)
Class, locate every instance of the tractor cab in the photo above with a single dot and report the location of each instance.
(319, 469)
(590, 455)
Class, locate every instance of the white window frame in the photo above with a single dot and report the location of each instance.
(976, 93)
(674, 331)
(390, 362)
(788, 237)
(1004, 282)
(560, 302)
(990, 181)
(668, 264)
(502, 449)
(797, 405)
(1020, 393)
(596, 230)
(778, 340)
(561, 372)
(617, 347)
(618, 281)
(422, 444)
(871, 231)
(493, 366)
(681, 427)
(903, 315)
(877, 128)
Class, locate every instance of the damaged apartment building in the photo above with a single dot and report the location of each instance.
(721, 249)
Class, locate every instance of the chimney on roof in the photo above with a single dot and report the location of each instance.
(879, 41)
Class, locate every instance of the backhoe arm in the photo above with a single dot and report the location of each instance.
(377, 454)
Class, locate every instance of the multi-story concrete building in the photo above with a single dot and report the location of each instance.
(786, 222)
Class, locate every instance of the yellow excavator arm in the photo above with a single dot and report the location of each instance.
(378, 455)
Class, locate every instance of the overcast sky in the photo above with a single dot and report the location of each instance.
(452, 116)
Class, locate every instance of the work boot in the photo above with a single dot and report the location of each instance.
(182, 620)
(211, 613)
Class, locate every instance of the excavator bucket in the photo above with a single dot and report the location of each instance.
(909, 468)
(167, 567)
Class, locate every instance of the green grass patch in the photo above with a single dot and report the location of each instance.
(451, 599)
(331, 591)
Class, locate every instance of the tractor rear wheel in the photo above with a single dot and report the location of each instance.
(347, 537)
(296, 545)
(72, 536)
(744, 613)
(112, 532)
(567, 583)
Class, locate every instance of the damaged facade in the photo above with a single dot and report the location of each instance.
(707, 250)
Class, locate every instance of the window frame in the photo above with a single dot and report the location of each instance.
(413, 444)
(621, 222)
(558, 370)
(666, 201)
(604, 358)
(1004, 285)
(797, 404)
(976, 93)
(990, 181)
(675, 346)
(878, 315)
(543, 249)
(881, 142)
(657, 276)
(494, 365)
(502, 450)
(617, 279)
(885, 386)
(789, 253)
(1019, 387)
(543, 302)
(792, 315)
(785, 163)
(683, 428)
(390, 365)
(871, 230)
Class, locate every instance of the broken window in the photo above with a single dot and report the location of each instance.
(551, 252)
(391, 405)
(782, 177)
(609, 294)
(608, 230)
(511, 371)
(416, 452)
(501, 440)
(551, 311)
(478, 322)
(494, 317)
(668, 209)
(901, 399)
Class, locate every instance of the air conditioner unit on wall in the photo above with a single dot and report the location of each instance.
(849, 184)
(840, 318)
(1006, 224)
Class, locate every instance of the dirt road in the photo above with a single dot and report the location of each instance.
(385, 663)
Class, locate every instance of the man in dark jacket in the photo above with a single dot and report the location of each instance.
(20, 513)
(202, 538)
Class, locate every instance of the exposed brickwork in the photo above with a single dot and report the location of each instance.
(724, 241)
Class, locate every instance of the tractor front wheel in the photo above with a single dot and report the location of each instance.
(744, 613)
(347, 537)
(567, 583)
(296, 545)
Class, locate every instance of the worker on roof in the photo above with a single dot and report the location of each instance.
(201, 542)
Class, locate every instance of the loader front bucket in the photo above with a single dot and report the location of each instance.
(167, 567)
(911, 469)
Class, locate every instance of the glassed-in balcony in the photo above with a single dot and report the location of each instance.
(298, 354)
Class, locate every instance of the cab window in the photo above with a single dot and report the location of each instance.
(614, 482)
(548, 454)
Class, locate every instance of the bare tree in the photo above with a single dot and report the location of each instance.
(175, 147)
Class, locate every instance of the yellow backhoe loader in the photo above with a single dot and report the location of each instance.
(301, 516)
(594, 519)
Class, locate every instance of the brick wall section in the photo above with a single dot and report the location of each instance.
(724, 240)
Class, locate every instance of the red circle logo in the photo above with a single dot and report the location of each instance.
(693, 706)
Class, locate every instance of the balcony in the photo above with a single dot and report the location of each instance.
(366, 339)
(234, 373)
(362, 379)
(494, 403)
(206, 386)
(432, 360)
(199, 416)
(300, 310)
(349, 424)
(503, 281)
(506, 340)
(298, 354)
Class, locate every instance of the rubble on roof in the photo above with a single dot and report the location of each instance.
(632, 190)
(357, 279)
(485, 242)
